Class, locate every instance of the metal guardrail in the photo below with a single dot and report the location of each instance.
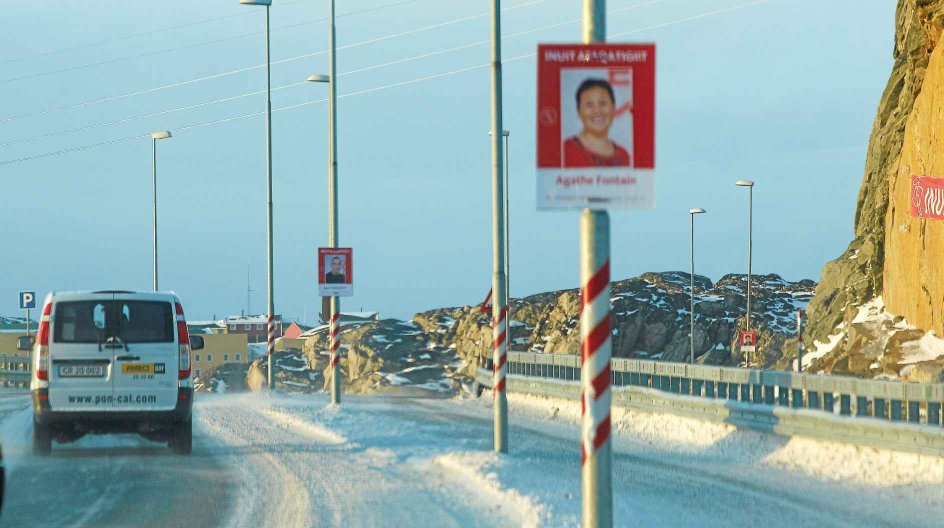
(887, 414)
(14, 371)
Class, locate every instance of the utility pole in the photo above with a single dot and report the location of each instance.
(596, 338)
(500, 295)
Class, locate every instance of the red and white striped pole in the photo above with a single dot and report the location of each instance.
(334, 344)
(596, 349)
(270, 348)
(596, 342)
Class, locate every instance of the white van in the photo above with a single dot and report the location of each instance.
(112, 362)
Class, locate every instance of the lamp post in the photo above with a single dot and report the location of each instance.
(750, 238)
(335, 304)
(691, 334)
(268, 113)
(162, 134)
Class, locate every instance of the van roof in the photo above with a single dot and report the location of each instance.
(124, 294)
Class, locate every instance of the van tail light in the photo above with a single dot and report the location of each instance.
(183, 341)
(41, 352)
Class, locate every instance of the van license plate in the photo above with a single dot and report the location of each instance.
(81, 371)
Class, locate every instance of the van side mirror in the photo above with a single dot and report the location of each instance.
(196, 343)
(25, 343)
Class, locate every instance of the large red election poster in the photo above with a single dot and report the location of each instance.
(335, 272)
(596, 125)
(927, 197)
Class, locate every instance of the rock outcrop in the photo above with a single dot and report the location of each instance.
(439, 349)
(893, 255)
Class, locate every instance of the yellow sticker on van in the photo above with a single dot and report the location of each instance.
(137, 368)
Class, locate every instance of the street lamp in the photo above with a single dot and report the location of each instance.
(335, 303)
(162, 134)
(693, 212)
(750, 239)
(271, 273)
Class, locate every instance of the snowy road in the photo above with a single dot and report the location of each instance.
(401, 461)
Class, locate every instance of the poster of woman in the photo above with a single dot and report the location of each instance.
(595, 126)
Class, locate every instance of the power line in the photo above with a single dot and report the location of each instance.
(188, 46)
(249, 68)
(134, 36)
(366, 91)
(359, 70)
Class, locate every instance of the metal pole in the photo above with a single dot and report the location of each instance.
(750, 242)
(27, 322)
(271, 270)
(595, 335)
(692, 292)
(154, 179)
(506, 135)
(799, 340)
(500, 295)
(335, 303)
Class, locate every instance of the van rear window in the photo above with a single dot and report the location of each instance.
(98, 321)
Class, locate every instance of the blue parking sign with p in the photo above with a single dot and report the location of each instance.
(27, 300)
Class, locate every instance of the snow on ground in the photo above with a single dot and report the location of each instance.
(821, 349)
(831, 461)
(393, 460)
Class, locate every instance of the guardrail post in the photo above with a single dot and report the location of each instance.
(896, 410)
(934, 413)
(914, 414)
(812, 399)
(862, 406)
(878, 408)
(769, 394)
(828, 401)
(709, 389)
(845, 405)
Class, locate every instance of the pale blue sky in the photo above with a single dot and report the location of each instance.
(782, 92)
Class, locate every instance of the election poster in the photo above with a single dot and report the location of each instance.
(335, 272)
(595, 126)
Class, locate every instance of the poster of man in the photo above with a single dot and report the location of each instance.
(335, 272)
(596, 125)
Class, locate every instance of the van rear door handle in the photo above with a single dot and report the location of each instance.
(127, 358)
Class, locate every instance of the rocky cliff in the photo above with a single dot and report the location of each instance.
(439, 349)
(893, 260)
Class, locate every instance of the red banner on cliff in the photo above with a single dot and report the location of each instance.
(927, 197)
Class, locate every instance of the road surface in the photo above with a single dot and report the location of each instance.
(400, 461)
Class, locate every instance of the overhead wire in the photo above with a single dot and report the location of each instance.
(350, 72)
(369, 90)
(190, 46)
(258, 66)
(244, 12)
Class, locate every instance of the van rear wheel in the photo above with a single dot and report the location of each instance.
(181, 439)
(42, 439)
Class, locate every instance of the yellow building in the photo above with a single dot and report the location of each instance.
(219, 349)
(8, 345)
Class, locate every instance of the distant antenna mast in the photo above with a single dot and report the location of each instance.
(249, 289)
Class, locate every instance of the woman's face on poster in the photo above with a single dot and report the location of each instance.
(596, 110)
